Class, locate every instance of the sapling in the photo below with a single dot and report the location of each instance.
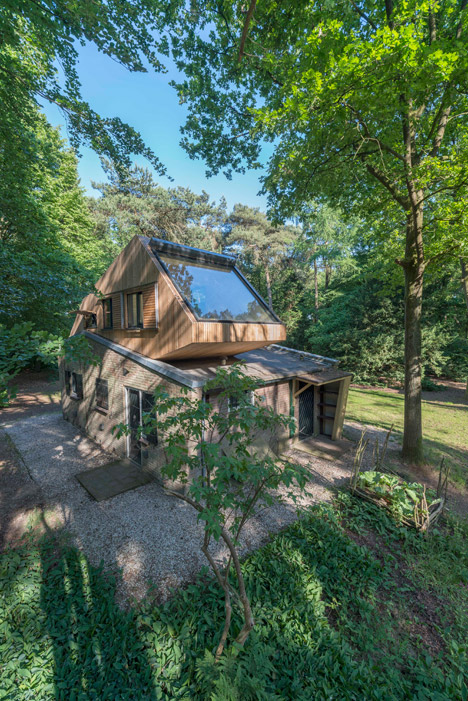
(212, 459)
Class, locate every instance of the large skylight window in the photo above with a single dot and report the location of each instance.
(216, 292)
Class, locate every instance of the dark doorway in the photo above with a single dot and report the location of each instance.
(306, 412)
(134, 423)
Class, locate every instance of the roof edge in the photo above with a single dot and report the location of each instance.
(332, 362)
(157, 366)
(163, 246)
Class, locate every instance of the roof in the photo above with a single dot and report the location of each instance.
(206, 279)
(178, 249)
(270, 364)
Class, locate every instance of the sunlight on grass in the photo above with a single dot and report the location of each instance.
(444, 426)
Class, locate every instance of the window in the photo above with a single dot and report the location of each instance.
(216, 292)
(135, 311)
(75, 385)
(234, 402)
(107, 313)
(102, 394)
(147, 404)
(90, 321)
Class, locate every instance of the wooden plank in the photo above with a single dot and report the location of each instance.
(133, 267)
(149, 308)
(341, 408)
(302, 389)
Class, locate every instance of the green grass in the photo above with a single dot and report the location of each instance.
(445, 426)
(347, 605)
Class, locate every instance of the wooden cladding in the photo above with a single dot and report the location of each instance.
(149, 307)
(169, 329)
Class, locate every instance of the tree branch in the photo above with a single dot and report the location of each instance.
(382, 178)
(364, 16)
(245, 30)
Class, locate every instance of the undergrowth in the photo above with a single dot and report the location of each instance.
(348, 605)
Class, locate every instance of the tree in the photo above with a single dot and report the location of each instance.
(132, 203)
(366, 105)
(211, 455)
(250, 231)
(38, 34)
(46, 236)
(326, 239)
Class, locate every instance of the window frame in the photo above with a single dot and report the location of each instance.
(76, 385)
(90, 321)
(107, 313)
(99, 406)
(139, 296)
(250, 402)
(232, 268)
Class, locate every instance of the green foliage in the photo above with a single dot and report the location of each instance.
(360, 320)
(402, 497)
(46, 236)
(336, 619)
(132, 203)
(37, 36)
(227, 477)
(21, 346)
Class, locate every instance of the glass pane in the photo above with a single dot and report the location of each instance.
(216, 292)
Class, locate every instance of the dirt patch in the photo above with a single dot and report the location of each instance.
(38, 392)
(20, 497)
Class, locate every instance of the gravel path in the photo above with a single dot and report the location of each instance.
(146, 535)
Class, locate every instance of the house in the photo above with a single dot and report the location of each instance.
(167, 314)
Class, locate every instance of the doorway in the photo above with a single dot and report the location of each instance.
(306, 412)
(134, 423)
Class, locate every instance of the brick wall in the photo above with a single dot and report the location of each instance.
(120, 373)
(277, 397)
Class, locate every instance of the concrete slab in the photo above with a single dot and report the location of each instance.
(114, 478)
(323, 447)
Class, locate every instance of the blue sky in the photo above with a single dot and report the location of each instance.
(150, 105)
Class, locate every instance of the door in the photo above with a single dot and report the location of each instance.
(134, 423)
(306, 413)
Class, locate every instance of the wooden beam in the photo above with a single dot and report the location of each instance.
(340, 408)
(309, 384)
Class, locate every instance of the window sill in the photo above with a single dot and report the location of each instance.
(75, 397)
(100, 410)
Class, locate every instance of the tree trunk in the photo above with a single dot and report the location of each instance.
(316, 288)
(268, 284)
(414, 273)
(464, 275)
(327, 276)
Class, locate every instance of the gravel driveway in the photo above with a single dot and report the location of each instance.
(146, 535)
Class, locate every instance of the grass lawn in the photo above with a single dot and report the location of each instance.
(445, 425)
(348, 606)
